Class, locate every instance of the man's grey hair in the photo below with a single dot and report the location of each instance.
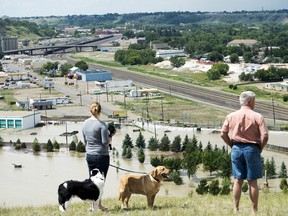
(245, 97)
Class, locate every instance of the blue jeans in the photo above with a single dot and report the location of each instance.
(246, 161)
(100, 162)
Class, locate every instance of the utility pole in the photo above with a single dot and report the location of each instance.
(162, 110)
(80, 99)
(273, 110)
(66, 133)
(147, 109)
(87, 87)
(107, 99)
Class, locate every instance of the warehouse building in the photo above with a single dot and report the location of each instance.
(19, 119)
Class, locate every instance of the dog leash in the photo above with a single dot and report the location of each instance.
(117, 167)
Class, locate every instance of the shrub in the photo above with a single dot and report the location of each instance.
(1, 142)
(141, 155)
(49, 146)
(202, 187)
(17, 147)
(283, 184)
(245, 187)
(80, 147)
(72, 146)
(177, 178)
(225, 190)
(214, 188)
(36, 146)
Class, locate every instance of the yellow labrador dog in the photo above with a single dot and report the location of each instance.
(148, 185)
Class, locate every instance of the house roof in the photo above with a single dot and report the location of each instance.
(160, 46)
(247, 42)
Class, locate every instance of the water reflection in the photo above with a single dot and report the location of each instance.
(37, 182)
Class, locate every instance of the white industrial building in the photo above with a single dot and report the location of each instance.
(19, 119)
(8, 43)
(166, 54)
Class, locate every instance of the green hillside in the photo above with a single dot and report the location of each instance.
(164, 18)
(269, 204)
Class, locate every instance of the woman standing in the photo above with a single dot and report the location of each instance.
(97, 140)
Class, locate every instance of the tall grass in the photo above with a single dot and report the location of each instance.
(269, 204)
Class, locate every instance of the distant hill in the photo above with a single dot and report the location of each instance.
(35, 27)
(163, 18)
(24, 29)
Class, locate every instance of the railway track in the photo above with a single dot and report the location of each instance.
(203, 94)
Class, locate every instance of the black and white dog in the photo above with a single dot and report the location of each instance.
(89, 189)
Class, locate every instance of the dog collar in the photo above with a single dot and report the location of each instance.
(155, 178)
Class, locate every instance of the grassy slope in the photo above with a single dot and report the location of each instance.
(269, 204)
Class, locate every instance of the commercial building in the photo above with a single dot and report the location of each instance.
(19, 119)
(166, 54)
(95, 75)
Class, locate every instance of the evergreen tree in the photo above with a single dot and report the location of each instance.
(23, 145)
(214, 188)
(80, 147)
(176, 144)
(177, 179)
(192, 145)
(141, 155)
(208, 147)
(211, 159)
(75, 139)
(49, 146)
(174, 163)
(244, 187)
(124, 151)
(56, 144)
(164, 143)
(140, 141)
(155, 161)
(202, 187)
(225, 190)
(72, 146)
(185, 143)
(129, 152)
(283, 184)
(191, 162)
(1, 142)
(283, 171)
(225, 165)
(272, 167)
(200, 147)
(153, 144)
(36, 145)
(127, 142)
(18, 144)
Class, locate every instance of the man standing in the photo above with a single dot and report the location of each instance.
(246, 133)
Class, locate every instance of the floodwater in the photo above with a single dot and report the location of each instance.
(36, 183)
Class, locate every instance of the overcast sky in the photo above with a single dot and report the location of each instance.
(27, 8)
